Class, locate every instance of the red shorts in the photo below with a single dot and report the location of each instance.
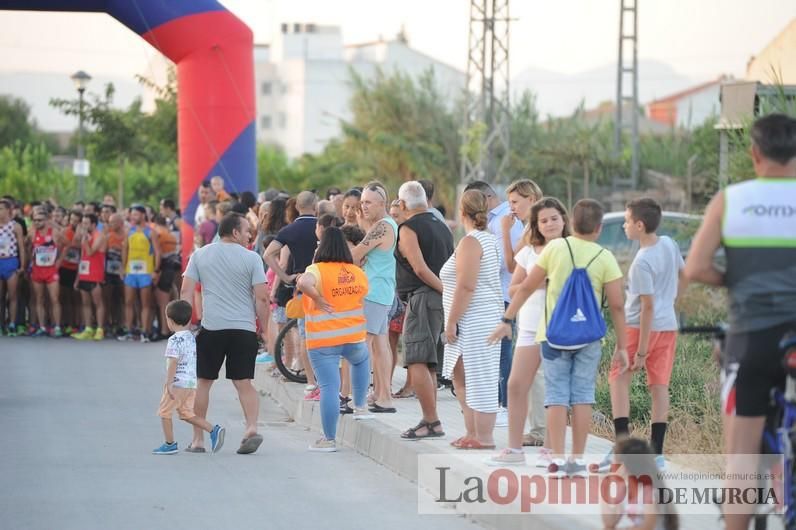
(660, 355)
(43, 275)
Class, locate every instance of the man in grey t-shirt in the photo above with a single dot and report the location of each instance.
(233, 294)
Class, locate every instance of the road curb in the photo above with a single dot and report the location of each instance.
(382, 444)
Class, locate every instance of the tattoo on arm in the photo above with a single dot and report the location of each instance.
(375, 234)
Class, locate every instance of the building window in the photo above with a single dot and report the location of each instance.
(266, 88)
(281, 120)
(265, 122)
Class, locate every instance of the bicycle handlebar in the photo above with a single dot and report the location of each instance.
(718, 331)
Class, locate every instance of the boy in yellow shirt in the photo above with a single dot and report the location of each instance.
(571, 372)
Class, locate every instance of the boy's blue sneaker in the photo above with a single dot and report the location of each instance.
(264, 357)
(216, 438)
(166, 449)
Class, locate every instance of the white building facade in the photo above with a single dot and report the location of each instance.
(303, 82)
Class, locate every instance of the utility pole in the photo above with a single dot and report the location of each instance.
(487, 92)
(627, 92)
(81, 167)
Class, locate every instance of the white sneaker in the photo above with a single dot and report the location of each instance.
(507, 457)
(502, 419)
(577, 468)
(309, 389)
(363, 414)
(545, 458)
(322, 445)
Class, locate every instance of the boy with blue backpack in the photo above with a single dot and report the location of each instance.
(580, 274)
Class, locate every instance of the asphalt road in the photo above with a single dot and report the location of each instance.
(78, 425)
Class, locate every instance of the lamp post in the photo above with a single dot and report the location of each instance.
(81, 79)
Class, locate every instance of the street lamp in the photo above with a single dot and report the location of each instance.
(81, 79)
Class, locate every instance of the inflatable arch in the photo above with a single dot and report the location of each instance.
(213, 51)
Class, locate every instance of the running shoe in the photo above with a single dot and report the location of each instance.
(143, 338)
(506, 457)
(40, 332)
(166, 449)
(127, 337)
(56, 332)
(99, 334)
(12, 330)
(264, 357)
(322, 445)
(604, 465)
(86, 334)
(363, 414)
(315, 395)
(217, 438)
(577, 468)
(30, 331)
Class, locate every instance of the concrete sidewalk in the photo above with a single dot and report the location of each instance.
(380, 440)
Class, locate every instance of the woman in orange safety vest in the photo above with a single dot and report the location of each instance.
(334, 289)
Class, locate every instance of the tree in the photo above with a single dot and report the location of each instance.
(401, 130)
(15, 122)
(131, 152)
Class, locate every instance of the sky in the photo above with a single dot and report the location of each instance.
(698, 38)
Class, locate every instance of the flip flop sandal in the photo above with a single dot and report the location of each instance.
(378, 409)
(192, 449)
(532, 441)
(250, 444)
(471, 443)
(411, 434)
(457, 443)
(403, 394)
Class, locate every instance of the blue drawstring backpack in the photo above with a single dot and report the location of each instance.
(576, 320)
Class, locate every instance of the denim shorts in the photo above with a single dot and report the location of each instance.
(377, 317)
(278, 315)
(570, 376)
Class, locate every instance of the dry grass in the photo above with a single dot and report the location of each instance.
(694, 419)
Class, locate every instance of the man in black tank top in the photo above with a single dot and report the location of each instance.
(424, 245)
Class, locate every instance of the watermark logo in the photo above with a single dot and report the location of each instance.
(467, 485)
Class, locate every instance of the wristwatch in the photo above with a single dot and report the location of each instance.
(507, 320)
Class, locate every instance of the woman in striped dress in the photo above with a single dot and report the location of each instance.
(473, 303)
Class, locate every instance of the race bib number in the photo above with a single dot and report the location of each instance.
(72, 255)
(85, 268)
(5, 247)
(113, 267)
(45, 256)
(138, 266)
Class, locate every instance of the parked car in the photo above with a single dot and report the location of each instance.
(681, 227)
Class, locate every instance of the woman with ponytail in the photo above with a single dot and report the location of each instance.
(472, 298)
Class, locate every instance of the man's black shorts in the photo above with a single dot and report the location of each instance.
(168, 274)
(87, 286)
(67, 277)
(237, 346)
(113, 279)
(760, 367)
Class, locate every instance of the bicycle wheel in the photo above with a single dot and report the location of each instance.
(287, 347)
